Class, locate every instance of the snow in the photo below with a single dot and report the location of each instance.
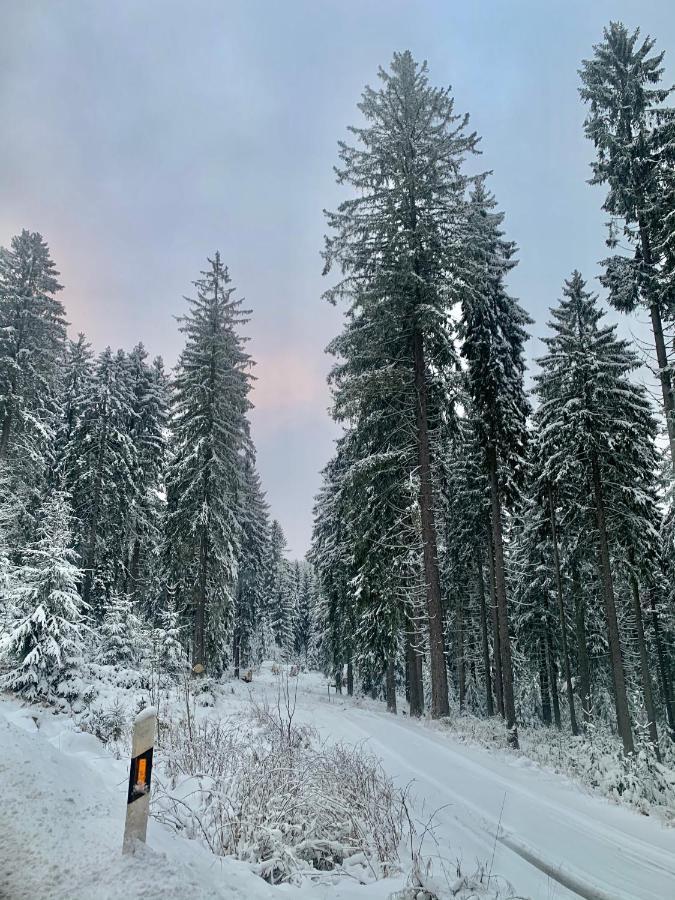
(64, 799)
(150, 712)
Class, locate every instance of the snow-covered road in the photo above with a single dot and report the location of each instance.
(63, 800)
(555, 841)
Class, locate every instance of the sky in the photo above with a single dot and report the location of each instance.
(141, 137)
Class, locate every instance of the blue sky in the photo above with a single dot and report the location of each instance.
(139, 137)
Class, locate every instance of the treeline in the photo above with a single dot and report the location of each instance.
(513, 549)
(131, 508)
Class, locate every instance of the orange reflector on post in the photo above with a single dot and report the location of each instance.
(141, 770)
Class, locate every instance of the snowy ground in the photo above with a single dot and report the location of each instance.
(63, 803)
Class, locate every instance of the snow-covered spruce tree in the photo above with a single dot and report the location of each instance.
(169, 657)
(384, 541)
(120, 633)
(662, 612)
(331, 557)
(279, 605)
(400, 239)
(633, 519)
(543, 523)
(250, 590)
(466, 506)
(633, 131)
(45, 642)
(374, 397)
(149, 390)
(493, 337)
(99, 466)
(77, 372)
(209, 439)
(32, 343)
(532, 589)
(597, 431)
(304, 613)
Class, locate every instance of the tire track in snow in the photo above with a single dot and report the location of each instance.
(589, 838)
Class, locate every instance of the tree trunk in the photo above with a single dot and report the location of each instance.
(391, 687)
(664, 377)
(350, 676)
(660, 345)
(561, 615)
(460, 662)
(645, 676)
(5, 434)
(414, 671)
(439, 677)
(236, 651)
(500, 591)
(543, 684)
(198, 647)
(552, 677)
(484, 634)
(134, 569)
(666, 687)
(338, 680)
(496, 649)
(618, 676)
(582, 646)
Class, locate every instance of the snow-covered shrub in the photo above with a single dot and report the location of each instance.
(108, 723)
(128, 679)
(452, 883)
(121, 634)
(169, 658)
(45, 636)
(203, 690)
(279, 799)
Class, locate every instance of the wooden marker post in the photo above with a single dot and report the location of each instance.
(140, 771)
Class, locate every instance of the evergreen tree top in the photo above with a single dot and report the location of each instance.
(626, 118)
(589, 404)
(406, 171)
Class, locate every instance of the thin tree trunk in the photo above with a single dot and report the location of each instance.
(618, 676)
(236, 651)
(561, 614)
(350, 676)
(5, 434)
(660, 345)
(484, 634)
(544, 684)
(391, 687)
(338, 680)
(500, 591)
(439, 677)
(496, 649)
(198, 647)
(414, 671)
(552, 677)
(645, 676)
(664, 377)
(460, 662)
(666, 687)
(470, 645)
(134, 569)
(582, 645)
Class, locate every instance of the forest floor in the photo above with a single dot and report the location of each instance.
(63, 804)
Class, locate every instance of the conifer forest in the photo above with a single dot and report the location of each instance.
(492, 554)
